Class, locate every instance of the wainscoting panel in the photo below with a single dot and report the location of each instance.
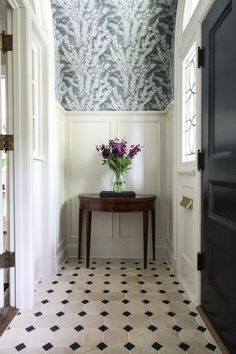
(113, 235)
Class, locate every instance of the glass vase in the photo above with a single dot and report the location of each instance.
(118, 182)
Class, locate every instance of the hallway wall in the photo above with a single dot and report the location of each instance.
(115, 235)
(114, 55)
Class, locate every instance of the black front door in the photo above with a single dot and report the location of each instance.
(218, 281)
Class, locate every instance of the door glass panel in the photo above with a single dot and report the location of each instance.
(189, 106)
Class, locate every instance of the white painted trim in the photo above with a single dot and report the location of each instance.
(182, 43)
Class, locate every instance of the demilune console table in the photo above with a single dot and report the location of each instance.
(93, 202)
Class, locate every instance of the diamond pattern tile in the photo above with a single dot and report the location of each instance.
(114, 307)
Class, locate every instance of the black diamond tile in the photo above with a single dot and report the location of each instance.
(75, 275)
(106, 291)
(126, 313)
(166, 302)
(103, 328)
(107, 268)
(156, 275)
(93, 268)
(20, 347)
(171, 314)
(68, 291)
(44, 302)
(30, 328)
(104, 313)
(64, 302)
(74, 346)
(181, 291)
(157, 346)
(79, 328)
(129, 346)
(66, 262)
(123, 275)
(162, 291)
(54, 328)
(158, 282)
(47, 346)
(37, 314)
(105, 301)
(72, 282)
(153, 269)
(167, 268)
(146, 301)
(82, 313)
(210, 346)
(201, 329)
(171, 275)
(138, 263)
(122, 262)
(94, 262)
(89, 282)
(58, 274)
(106, 282)
(139, 275)
(186, 302)
(138, 268)
(50, 291)
(194, 314)
(124, 291)
(62, 268)
(152, 328)
(91, 275)
(123, 282)
(128, 328)
(148, 313)
(108, 262)
(122, 268)
(125, 301)
(101, 346)
(143, 291)
(176, 282)
(59, 314)
(184, 346)
(55, 282)
(107, 275)
(85, 302)
(141, 282)
(177, 328)
(87, 291)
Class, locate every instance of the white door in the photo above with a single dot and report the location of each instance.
(7, 275)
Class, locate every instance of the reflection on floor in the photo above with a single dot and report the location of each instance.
(114, 307)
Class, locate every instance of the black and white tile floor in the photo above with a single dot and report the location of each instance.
(114, 307)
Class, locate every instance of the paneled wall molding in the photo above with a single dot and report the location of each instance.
(115, 235)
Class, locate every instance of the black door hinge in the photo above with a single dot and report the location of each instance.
(6, 142)
(7, 260)
(200, 57)
(200, 160)
(6, 42)
(200, 261)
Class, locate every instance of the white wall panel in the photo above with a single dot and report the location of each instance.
(113, 235)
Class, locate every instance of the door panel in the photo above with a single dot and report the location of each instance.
(218, 289)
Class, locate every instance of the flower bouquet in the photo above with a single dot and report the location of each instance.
(119, 158)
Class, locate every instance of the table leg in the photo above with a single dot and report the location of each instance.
(88, 235)
(153, 234)
(145, 237)
(80, 231)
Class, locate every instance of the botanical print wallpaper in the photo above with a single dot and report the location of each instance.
(114, 54)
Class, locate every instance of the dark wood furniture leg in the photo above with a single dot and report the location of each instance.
(145, 237)
(153, 234)
(80, 231)
(88, 235)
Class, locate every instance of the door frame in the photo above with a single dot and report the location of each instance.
(183, 170)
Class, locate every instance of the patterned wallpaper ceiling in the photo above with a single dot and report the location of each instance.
(114, 54)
